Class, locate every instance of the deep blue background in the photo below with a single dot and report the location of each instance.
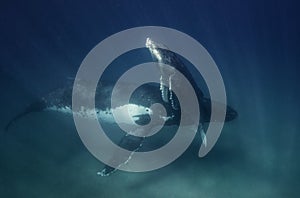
(254, 43)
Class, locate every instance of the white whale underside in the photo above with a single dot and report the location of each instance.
(127, 113)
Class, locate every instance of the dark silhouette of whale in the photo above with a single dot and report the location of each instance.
(140, 101)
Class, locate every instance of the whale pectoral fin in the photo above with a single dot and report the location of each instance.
(167, 95)
(34, 107)
(128, 142)
(164, 93)
(131, 143)
(174, 102)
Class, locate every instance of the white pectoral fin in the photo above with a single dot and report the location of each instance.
(164, 90)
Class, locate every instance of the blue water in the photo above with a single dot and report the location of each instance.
(256, 47)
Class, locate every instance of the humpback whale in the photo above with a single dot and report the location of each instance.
(139, 103)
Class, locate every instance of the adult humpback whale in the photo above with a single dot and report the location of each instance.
(139, 104)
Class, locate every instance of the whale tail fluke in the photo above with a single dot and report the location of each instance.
(205, 107)
(34, 107)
